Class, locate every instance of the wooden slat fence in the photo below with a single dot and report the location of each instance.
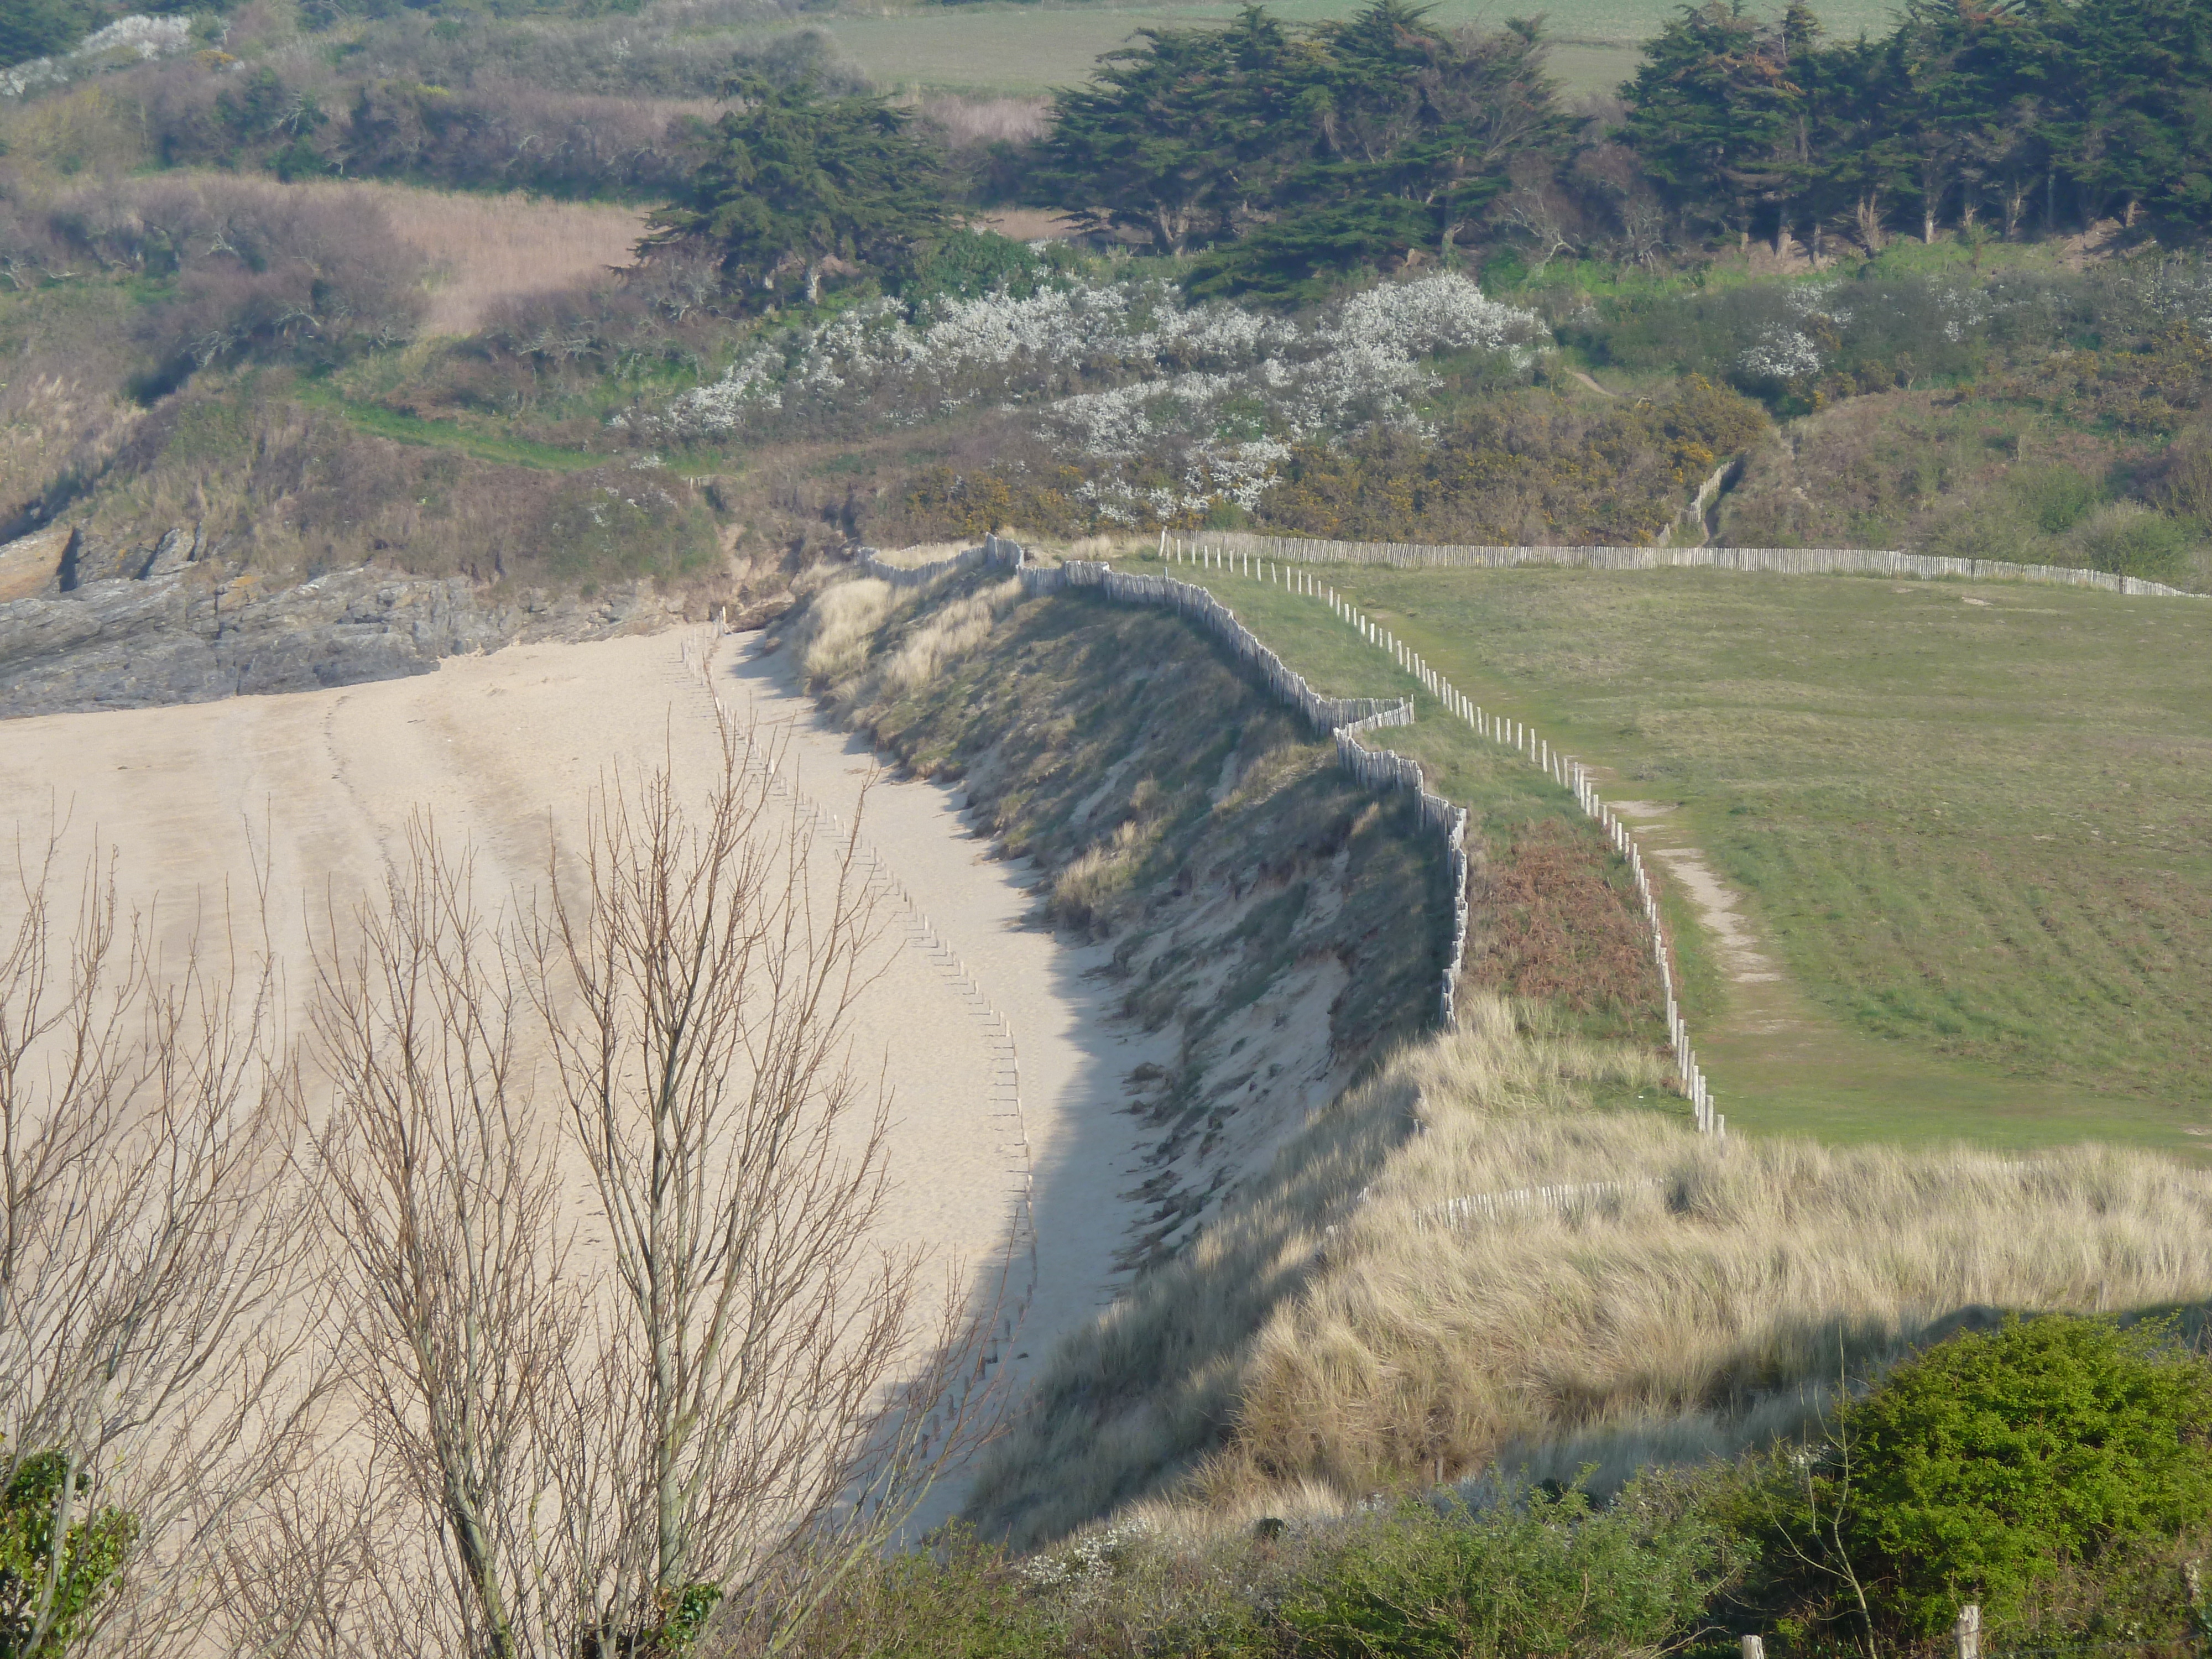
(1784, 561)
(1513, 734)
(995, 552)
(1346, 718)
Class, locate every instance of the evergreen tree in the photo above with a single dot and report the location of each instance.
(2139, 128)
(792, 179)
(1171, 136)
(40, 28)
(1715, 114)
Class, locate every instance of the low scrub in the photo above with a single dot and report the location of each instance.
(286, 488)
(1980, 476)
(2049, 1471)
(1535, 470)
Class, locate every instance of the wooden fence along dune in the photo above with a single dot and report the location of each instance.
(1782, 561)
(1513, 734)
(1346, 718)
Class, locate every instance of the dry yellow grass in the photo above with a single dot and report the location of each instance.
(1350, 1338)
(488, 248)
(839, 628)
(51, 421)
(842, 644)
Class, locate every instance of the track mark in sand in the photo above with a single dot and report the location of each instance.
(1007, 1306)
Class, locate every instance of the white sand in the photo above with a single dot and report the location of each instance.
(497, 748)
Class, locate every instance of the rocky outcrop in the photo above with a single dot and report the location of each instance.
(121, 626)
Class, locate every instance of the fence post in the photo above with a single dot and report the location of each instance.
(1970, 1631)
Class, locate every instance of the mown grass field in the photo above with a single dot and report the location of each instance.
(1029, 48)
(1973, 821)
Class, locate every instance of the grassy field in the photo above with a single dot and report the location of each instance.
(1028, 48)
(1973, 823)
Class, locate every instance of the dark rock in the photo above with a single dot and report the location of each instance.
(136, 626)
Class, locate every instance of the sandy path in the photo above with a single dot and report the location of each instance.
(498, 748)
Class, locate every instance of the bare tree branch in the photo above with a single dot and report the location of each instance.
(155, 1326)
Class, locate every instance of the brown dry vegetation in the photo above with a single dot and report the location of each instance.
(1977, 477)
(1537, 470)
(1336, 1333)
(485, 250)
(289, 490)
(1552, 924)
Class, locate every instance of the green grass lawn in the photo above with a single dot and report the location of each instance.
(1977, 836)
(1028, 48)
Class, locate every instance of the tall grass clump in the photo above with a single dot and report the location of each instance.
(1349, 1327)
(862, 639)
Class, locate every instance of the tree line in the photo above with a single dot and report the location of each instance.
(2027, 115)
(1279, 159)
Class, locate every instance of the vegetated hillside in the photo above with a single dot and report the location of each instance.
(1284, 923)
(1555, 337)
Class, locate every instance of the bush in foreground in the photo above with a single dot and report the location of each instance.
(2054, 1471)
(1990, 1467)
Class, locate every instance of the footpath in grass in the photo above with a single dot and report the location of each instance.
(1971, 824)
(382, 422)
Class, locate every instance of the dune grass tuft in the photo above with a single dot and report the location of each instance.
(1347, 1331)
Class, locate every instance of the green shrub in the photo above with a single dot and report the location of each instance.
(1546, 1576)
(1990, 1464)
(963, 1600)
(969, 264)
(71, 1581)
(2131, 541)
(2056, 497)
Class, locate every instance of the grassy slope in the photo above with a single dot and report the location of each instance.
(1980, 836)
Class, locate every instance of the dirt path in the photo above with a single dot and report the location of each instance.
(1761, 1001)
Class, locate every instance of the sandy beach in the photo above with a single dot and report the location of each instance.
(504, 750)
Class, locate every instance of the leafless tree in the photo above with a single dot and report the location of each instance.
(154, 1323)
(702, 1378)
(698, 978)
(441, 1194)
(1533, 210)
(331, 1565)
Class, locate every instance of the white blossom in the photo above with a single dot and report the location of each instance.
(1116, 374)
(135, 38)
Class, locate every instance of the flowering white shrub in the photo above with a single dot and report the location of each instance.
(1116, 372)
(2177, 289)
(135, 38)
(1790, 351)
(1089, 1562)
